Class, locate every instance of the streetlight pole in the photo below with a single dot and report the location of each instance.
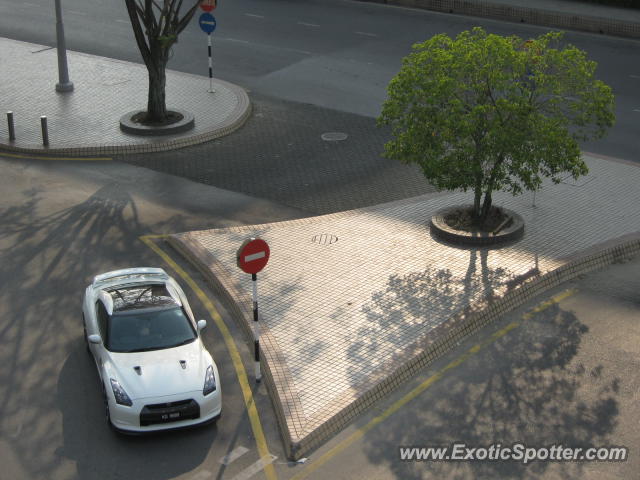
(64, 84)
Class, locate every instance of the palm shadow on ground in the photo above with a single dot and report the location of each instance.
(48, 257)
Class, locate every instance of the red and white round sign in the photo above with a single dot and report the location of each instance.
(253, 255)
(208, 5)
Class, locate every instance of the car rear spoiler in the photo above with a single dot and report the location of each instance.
(137, 273)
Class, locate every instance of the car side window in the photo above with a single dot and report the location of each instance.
(103, 317)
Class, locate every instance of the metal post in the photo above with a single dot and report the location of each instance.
(64, 84)
(45, 132)
(211, 90)
(12, 131)
(256, 327)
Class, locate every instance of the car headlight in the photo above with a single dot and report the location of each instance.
(121, 396)
(209, 381)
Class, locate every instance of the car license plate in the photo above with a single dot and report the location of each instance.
(174, 415)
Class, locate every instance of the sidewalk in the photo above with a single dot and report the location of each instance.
(86, 121)
(563, 14)
(354, 303)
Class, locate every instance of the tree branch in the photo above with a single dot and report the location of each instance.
(186, 19)
(169, 20)
(137, 31)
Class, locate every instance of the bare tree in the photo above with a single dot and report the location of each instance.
(156, 26)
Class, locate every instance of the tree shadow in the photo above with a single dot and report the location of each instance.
(528, 389)
(49, 401)
(414, 304)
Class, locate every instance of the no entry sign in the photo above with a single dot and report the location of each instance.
(208, 5)
(253, 255)
(207, 23)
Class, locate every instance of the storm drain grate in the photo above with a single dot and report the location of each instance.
(324, 239)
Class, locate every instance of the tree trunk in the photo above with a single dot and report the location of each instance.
(486, 206)
(477, 195)
(156, 104)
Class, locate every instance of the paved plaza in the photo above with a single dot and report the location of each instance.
(346, 297)
(86, 120)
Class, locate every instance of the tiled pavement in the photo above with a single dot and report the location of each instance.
(86, 120)
(340, 316)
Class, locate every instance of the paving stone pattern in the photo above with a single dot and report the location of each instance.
(104, 90)
(345, 311)
(279, 154)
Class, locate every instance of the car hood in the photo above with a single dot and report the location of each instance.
(161, 372)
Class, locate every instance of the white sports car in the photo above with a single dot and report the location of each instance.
(156, 373)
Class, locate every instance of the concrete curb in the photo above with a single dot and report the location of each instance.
(234, 121)
(534, 16)
(303, 434)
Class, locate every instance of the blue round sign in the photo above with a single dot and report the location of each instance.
(207, 22)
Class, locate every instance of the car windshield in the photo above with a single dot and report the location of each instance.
(140, 331)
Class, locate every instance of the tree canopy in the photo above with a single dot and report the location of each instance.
(487, 112)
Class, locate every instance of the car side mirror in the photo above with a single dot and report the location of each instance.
(201, 324)
(95, 339)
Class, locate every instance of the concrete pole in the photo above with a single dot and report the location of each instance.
(64, 85)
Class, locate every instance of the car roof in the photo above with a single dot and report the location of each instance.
(135, 297)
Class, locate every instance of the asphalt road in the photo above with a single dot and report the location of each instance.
(61, 223)
(336, 54)
(567, 374)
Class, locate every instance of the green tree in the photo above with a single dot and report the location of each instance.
(156, 29)
(487, 113)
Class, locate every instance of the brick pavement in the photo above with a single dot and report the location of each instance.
(86, 121)
(342, 315)
(279, 155)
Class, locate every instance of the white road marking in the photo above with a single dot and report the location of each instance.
(254, 15)
(235, 40)
(77, 13)
(255, 256)
(367, 34)
(636, 110)
(308, 24)
(637, 77)
(305, 52)
(122, 21)
(233, 455)
(251, 470)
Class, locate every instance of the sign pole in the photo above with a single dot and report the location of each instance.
(252, 257)
(211, 90)
(256, 328)
(64, 84)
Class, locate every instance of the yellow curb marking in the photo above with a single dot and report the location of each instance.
(241, 373)
(544, 305)
(35, 157)
(360, 432)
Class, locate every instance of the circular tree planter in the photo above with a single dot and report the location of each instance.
(513, 230)
(184, 121)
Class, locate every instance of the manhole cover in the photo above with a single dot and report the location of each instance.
(333, 136)
(324, 239)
